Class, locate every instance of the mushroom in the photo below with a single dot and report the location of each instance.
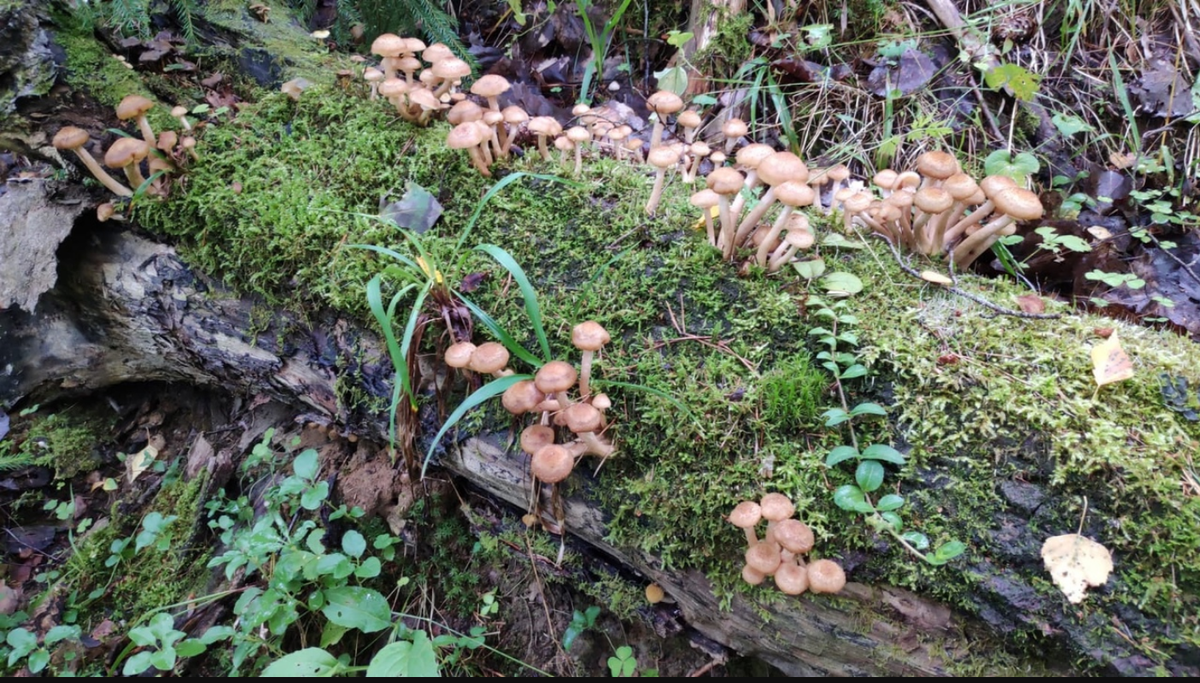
(826, 576)
(555, 379)
(776, 169)
(764, 557)
(536, 437)
(853, 207)
(490, 87)
(544, 127)
(584, 421)
(726, 182)
(189, 144)
(689, 120)
(589, 337)
(74, 139)
(495, 123)
(655, 594)
(663, 103)
(459, 354)
(839, 174)
(490, 359)
(374, 77)
(1017, 204)
(552, 463)
(991, 186)
(799, 236)
(745, 516)
(751, 576)
(748, 157)
(522, 397)
(436, 53)
(467, 136)
(776, 507)
(424, 100)
(578, 135)
(180, 113)
(448, 71)
(127, 153)
(733, 130)
(791, 194)
(564, 145)
(135, 107)
(962, 188)
(513, 116)
(930, 202)
(294, 88)
(388, 46)
(105, 211)
(791, 579)
(935, 167)
(661, 158)
(794, 536)
(705, 200)
(393, 90)
(699, 150)
(885, 180)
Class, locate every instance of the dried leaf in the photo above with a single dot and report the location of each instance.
(1076, 562)
(140, 462)
(1110, 363)
(1031, 303)
(935, 277)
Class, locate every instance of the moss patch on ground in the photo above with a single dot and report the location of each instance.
(278, 199)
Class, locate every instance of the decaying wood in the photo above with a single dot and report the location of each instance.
(130, 310)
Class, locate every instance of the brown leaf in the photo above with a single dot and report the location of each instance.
(212, 80)
(1031, 303)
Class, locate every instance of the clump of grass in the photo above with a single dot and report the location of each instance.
(792, 391)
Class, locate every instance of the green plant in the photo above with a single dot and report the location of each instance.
(580, 622)
(839, 356)
(132, 18)
(163, 644)
(24, 645)
(624, 665)
(599, 41)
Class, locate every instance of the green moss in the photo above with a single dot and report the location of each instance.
(67, 440)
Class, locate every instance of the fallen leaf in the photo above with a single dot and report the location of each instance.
(1031, 303)
(935, 277)
(1110, 363)
(140, 462)
(1075, 563)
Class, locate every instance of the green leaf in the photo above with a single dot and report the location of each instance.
(950, 550)
(357, 607)
(369, 569)
(835, 416)
(673, 79)
(38, 659)
(190, 647)
(488, 391)
(217, 633)
(810, 270)
(1069, 124)
(353, 544)
(311, 662)
(61, 632)
(313, 542)
(1019, 167)
(22, 643)
(137, 663)
(835, 240)
(893, 519)
(841, 284)
(867, 409)
(853, 372)
(917, 539)
(314, 495)
(1017, 80)
(883, 452)
(391, 661)
(869, 475)
(851, 498)
(527, 292)
(306, 464)
(840, 454)
(890, 502)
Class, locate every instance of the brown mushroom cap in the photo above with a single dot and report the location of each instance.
(555, 377)
(937, 165)
(544, 125)
(663, 157)
(752, 155)
(489, 358)
(781, 167)
(1019, 203)
(451, 69)
(734, 128)
(960, 186)
(490, 86)
(655, 594)
(133, 106)
(764, 557)
(521, 397)
(388, 45)
(552, 464)
(664, 103)
(793, 535)
(71, 138)
(725, 181)
(589, 336)
(885, 179)
(464, 136)
(795, 194)
(826, 576)
(436, 53)
(536, 437)
(791, 579)
(993, 184)
(124, 152)
(578, 134)
(933, 200)
(464, 111)
(745, 515)
(776, 507)
(752, 576)
(583, 417)
(704, 199)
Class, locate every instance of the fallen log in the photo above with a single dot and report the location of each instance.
(128, 309)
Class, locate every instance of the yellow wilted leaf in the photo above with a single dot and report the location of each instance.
(715, 212)
(140, 462)
(1110, 363)
(1076, 562)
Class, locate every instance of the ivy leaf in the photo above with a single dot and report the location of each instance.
(890, 502)
(1018, 167)
(840, 454)
(357, 607)
(883, 452)
(311, 662)
(810, 270)
(869, 475)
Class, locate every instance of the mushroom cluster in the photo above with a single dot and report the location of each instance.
(164, 153)
(780, 552)
(938, 208)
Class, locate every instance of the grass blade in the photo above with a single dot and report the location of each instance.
(531, 304)
(500, 333)
(406, 341)
(384, 317)
(495, 189)
(785, 114)
(387, 252)
(490, 390)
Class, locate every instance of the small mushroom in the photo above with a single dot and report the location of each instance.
(661, 158)
(578, 135)
(663, 103)
(126, 154)
(490, 87)
(544, 127)
(589, 337)
(655, 594)
(180, 113)
(536, 437)
(490, 359)
(388, 46)
(826, 576)
(74, 139)
(776, 507)
(459, 354)
(689, 120)
(552, 463)
(745, 516)
(135, 107)
(764, 557)
(467, 136)
(791, 579)
(705, 200)
(522, 397)
(726, 182)
(733, 130)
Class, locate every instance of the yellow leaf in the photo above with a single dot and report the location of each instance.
(935, 277)
(1110, 363)
(140, 462)
(1076, 562)
(715, 212)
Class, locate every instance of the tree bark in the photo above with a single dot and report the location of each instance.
(127, 309)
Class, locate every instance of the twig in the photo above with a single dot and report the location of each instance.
(965, 294)
(1175, 258)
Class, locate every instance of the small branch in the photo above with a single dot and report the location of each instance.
(968, 295)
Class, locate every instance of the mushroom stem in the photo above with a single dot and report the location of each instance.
(708, 226)
(542, 147)
(970, 248)
(777, 260)
(985, 209)
(594, 445)
(147, 132)
(656, 194)
(747, 226)
(764, 249)
(585, 374)
(751, 537)
(726, 241)
(657, 134)
(477, 161)
(579, 165)
(105, 179)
